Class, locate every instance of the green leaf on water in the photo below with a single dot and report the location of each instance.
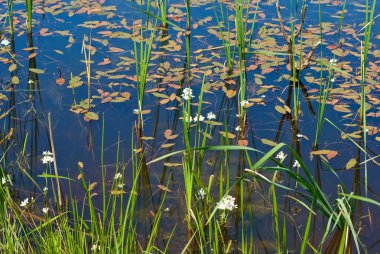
(92, 116)
(15, 80)
(37, 71)
(351, 163)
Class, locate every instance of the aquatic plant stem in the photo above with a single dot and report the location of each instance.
(29, 10)
(60, 197)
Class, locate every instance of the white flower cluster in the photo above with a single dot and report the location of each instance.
(333, 61)
(45, 210)
(25, 202)
(187, 94)
(201, 193)
(244, 102)
(296, 164)
(281, 156)
(47, 157)
(118, 176)
(210, 116)
(5, 42)
(5, 179)
(227, 203)
(95, 248)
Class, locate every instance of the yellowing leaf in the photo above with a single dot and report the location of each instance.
(351, 163)
(92, 116)
(37, 71)
(227, 134)
(268, 142)
(280, 109)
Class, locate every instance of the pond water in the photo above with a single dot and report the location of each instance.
(47, 72)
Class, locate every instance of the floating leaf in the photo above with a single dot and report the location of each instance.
(60, 81)
(280, 109)
(92, 116)
(320, 152)
(268, 142)
(37, 71)
(351, 163)
(117, 192)
(243, 142)
(12, 67)
(167, 145)
(15, 80)
(170, 164)
(227, 134)
(332, 154)
(230, 93)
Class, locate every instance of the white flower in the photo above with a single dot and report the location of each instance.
(211, 116)
(95, 247)
(121, 185)
(227, 203)
(48, 157)
(281, 156)
(118, 176)
(45, 210)
(3, 180)
(5, 42)
(25, 202)
(238, 128)
(332, 80)
(201, 118)
(187, 94)
(333, 61)
(30, 81)
(45, 189)
(201, 193)
(244, 102)
(296, 164)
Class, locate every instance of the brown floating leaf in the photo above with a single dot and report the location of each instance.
(12, 67)
(320, 152)
(116, 50)
(243, 142)
(167, 145)
(60, 81)
(280, 109)
(230, 93)
(168, 134)
(342, 108)
(170, 164)
(126, 95)
(332, 154)
(164, 188)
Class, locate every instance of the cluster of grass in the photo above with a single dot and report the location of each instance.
(212, 206)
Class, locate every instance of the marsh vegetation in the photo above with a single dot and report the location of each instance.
(189, 126)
